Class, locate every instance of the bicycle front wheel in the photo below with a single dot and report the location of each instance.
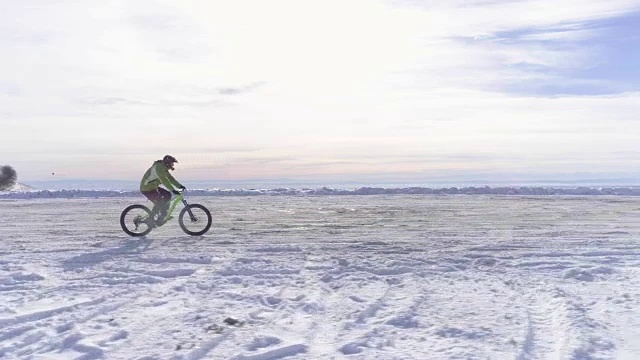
(195, 219)
(135, 220)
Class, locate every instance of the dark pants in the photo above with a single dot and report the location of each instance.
(160, 199)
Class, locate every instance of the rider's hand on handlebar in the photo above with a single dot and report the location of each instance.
(183, 188)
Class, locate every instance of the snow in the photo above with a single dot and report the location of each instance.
(391, 276)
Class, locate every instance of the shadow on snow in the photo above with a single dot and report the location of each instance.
(91, 259)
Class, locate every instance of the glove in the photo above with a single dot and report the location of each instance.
(176, 192)
(183, 188)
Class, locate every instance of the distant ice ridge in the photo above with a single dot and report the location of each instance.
(486, 190)
(19, 188)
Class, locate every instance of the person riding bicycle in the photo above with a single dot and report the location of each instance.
(158, 174)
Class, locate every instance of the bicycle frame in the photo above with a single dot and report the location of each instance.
(174, 203)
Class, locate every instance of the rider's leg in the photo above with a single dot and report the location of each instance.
(163, 204)
(155, 196)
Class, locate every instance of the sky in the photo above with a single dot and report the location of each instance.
(327, 89)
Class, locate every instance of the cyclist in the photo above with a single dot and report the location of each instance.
(158, 174)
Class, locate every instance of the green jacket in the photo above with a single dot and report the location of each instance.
(158, 174)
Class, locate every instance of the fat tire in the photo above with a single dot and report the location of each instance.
(124, 214)
(181, 219)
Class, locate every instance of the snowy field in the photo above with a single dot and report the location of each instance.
(325, 277)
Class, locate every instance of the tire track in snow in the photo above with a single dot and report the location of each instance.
(560, 327)
(281, 309)
(44, 314)
(274, 277)
(41, 336)
(367, 322)
(541, 339)
(311, 299)
(388, 320)
(163, 307)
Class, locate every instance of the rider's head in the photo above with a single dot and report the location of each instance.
(169, 160)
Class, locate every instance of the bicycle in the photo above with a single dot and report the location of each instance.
(136, 219)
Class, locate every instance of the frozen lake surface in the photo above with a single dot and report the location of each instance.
(325, 277)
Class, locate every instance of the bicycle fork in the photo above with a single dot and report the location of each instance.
(186, 205)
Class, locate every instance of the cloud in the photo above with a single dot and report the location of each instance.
(241, 89)
(519, 42)
(112, 100)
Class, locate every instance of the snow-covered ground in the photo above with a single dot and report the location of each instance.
(325, 277)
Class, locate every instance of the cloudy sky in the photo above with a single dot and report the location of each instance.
(342, 89)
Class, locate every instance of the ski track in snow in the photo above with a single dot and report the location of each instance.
(331, 277)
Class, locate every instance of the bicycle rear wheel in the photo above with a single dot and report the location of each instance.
(134, 220)
(195, 219)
